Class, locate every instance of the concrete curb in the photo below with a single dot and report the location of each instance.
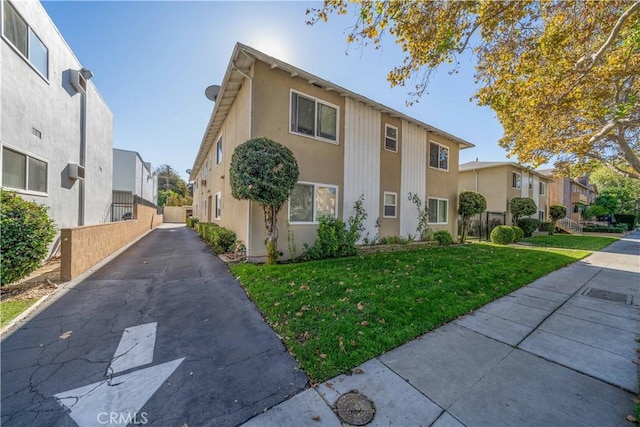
(63, 288)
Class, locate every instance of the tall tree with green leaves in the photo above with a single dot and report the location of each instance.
(562, 77)
(469, 204)
(265, 172)
(625, 189)
(172, 189)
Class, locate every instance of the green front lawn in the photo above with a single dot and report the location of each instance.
(10, 309)
(335, 314)
(569, 241)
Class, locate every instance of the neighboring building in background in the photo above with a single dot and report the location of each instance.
(346, 146)
(134, 180)
(573, 193)
(499, 182)
(57, 132)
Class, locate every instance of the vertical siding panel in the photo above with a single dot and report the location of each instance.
(362, 161)
(413, 174)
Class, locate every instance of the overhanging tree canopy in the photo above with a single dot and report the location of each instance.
(562, 77)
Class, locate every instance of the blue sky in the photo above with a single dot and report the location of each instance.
(152, 60)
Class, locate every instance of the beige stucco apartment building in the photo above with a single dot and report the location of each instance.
(573, 193)
(499, 182)
(345, 144)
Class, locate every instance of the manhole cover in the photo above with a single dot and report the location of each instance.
(607, 295)
(355, 408)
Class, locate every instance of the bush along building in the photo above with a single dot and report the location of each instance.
(346, 146)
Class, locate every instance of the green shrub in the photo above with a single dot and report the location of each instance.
(192, 221)
(629, 219)
(605, 229)
(25, 233)
(529, 225)
(394, 240)
(443, 237)
(518, 234)
(547, 226)
(221, 239)
(333, 240)
(502, 235)
(522, 207)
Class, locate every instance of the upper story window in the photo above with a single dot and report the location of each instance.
(313, 117)
(391, 138)
(219, 151)
(530, 182)
(23, 172)
(438, 156)
(309, 201)
(24, 39)
(543, 188)
(516, 180)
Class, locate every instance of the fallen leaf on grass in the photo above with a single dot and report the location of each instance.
(299, 313)
(66, 335)
(323, 356)
(380, 320)
(341, 345)
(304, 288)
(364, 323)
(353, 343)
(360, 306)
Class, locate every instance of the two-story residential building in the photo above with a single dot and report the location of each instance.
(134, 180)
(346, 146)
(573, 193)
(57, 131)
(499, 182)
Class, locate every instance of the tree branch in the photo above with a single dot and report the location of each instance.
(612, 36)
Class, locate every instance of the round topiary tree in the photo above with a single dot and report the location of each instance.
(265, 172)
(522, 206)
(556, 213)
(25, 234)
(502, 235)
(469, 204)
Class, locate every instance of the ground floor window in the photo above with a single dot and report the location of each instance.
(23, 172)
(390, 204)
(438, 209)
(310, 201)
(218, 205)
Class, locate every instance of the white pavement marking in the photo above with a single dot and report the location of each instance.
(135, 348)
(123, 396)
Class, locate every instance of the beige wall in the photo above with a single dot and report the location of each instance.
(83, 247)
(390, 176)
(444, 184)
(176, 214)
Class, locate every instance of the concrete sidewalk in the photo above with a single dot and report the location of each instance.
(558, 351)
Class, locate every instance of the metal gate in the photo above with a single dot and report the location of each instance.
(481, 225)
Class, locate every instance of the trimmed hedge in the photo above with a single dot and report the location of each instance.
(629, 219)
(605, 229)
(25, 233)
(221, 239)
(443, 237)
(547, 226)
(192, 221)
(518, 234)
(529, 225)
(502, 235)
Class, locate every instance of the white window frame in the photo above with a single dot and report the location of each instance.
(313, 205)
(441, 146)
(217, 205)
(16, 50)
(384, 204)
(543, 188)
(387, 126)
(219, 142)
(513, 174)
(438, 204)
(27, 154)
(315, 118)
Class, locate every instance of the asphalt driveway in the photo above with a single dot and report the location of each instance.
(161, 335)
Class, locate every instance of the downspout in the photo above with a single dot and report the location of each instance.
(476, 180)
(83, 155)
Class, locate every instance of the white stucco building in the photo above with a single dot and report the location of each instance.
(133, 178)
(56, 131)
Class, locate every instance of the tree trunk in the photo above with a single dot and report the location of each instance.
(271, 241)
(465, 226)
